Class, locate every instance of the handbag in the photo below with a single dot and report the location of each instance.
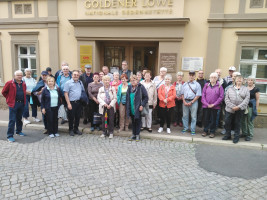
(145, 110)
(97, 118)
(84, 98)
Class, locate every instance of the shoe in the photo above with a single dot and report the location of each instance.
(232, 132)
(193, 133)
(25, 122)
(160, 130)
(110, 136)
(98, 128)
(133, 137)
(137, 139)
(212, 135)
(184, 131)
(78, 132)
(51, 135)
(57, 135)
(35, 119)
(235, 140)
(142, 128)
(102, 135)
(168, 130)
(45, 131)
(204, 134)
(85, 121)
(181, 124)
(11, 139)
(71, 133)
(149, 130)
(226, 138)
(223, 132)
(92, 129)
(175, 124)
(63, 121)
(247, 138)
(20, 134)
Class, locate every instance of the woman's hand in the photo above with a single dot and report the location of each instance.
(210, 105)
(165, 101)
(236, 108)
(140, 108)
(43, 111)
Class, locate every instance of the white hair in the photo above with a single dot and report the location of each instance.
(252, 78)
(180, 74)
(214, 74)
(237, 73)
(27, 70)
(168, 76)
(163, 69)
(65, 66)
(18, 72)
(116, 73)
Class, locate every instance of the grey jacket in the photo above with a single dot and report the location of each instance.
(232, 99)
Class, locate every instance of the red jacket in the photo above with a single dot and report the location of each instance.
(9, 92)
(170, 97)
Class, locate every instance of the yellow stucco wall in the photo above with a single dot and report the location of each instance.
(42, 8)
(231, 7)
(3, 10)
(67, 40)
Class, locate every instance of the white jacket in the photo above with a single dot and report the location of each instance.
(101, 98)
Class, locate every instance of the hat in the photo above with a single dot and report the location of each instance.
(232, 68)
(192, 72)
(48, 69)
(88, 66)
(44, 73)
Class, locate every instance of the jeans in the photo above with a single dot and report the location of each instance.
(165, 115)
(233, 118)
(193, 110)
(178, 109)
(26, 108)
(74, 115)
(52, 120)
(15, 117)
(136, 123)
(199, 112)
(210, 120)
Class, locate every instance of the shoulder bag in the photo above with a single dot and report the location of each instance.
(84, 98)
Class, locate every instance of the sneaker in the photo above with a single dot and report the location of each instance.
(193, 133)
(51, 135)
(110, 136)
(63, 121)
(71, 133)
(184, 131)
(137, 139)
(235, 140)
(160, 130)
(35, 119)
(20, 134)
(223, 132)
(247, 138)
(168, 130)
(133, 137)
(92, 129)
(11, 139)
(78, 132)
(232, 132)
(226, 138)
(103, 135)
(25, 122)
(98, 128)
(57, 135)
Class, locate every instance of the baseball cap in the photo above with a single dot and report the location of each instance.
(232, 68)
(44, 73)
(192, 72)
(88, 66)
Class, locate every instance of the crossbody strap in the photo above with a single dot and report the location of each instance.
(191, 88)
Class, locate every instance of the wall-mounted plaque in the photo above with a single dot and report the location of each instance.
(169, 60)
(192, 63)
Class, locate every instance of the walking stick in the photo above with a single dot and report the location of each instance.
(106, 122)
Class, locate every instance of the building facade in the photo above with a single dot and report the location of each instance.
(178, 34)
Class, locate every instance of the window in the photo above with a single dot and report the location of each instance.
(254, 63)
(23, 9)
(27, 58)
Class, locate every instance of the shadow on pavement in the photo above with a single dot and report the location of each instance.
(232, 161)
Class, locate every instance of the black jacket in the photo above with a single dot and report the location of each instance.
(46, 99)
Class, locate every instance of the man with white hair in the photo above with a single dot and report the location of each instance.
(15, 93)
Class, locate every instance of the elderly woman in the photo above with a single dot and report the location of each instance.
(115, 83)
(212, 97)
(107, 99)
(136, 99)
(139, 76)
(30, 84)
(178, 109)
(236, 100)
(121, 100)
(50, 102)
(152, 100)
(247, 120)
(166, 94)
(93, 89)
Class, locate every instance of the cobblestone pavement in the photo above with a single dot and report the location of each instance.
(89, 167)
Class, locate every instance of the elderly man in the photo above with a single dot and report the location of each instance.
(125, 70)
(15, 93)
(86, 78)
(72, 92)
(229, 79)
(191, 91)
(105, 70)
(61, 71)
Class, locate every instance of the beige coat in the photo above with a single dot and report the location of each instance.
(152, 93)
(101, 98)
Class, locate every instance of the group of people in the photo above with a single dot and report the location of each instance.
(114, 99)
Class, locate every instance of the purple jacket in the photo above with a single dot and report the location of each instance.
(212, 95)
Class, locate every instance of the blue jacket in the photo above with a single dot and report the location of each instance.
(58, 81)
(119, 93)
(137, 100)
(37, 88)
(46, 99)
